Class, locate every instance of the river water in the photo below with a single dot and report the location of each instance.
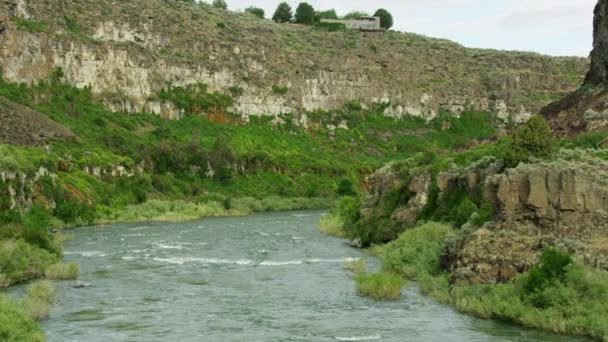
(270, 277)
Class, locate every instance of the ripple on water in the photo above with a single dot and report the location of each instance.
(359, 338)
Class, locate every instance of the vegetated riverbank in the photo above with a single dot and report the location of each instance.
(559, 295)
(495, 254)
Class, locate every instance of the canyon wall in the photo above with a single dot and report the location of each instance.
(127, 51)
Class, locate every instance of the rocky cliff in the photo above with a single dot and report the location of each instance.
(127, 51)
(561, 203)
(587, 108)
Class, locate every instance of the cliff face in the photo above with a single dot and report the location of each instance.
(127, 51)
(562, 203)
(598, 72)
(587, 108)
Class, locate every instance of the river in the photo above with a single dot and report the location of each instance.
(268, 277)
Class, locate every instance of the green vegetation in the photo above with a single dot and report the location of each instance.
(355, 15)
(356, 266)
(29, 25)
(256, 11)
(283, 13)
(533, 140)
(416, 251)
(219, 4)
(386, 19)
(15, 324)
(332, 225)
(305, 14)
(62, 271)
(279, 90)
(559, 295)
(38, 300)
(380, 286)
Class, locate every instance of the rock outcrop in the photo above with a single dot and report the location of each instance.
(587, 108)
(127, 51)
(562, 203)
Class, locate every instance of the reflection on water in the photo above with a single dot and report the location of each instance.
(269, 277)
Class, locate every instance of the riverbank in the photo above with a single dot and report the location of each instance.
(569, 300)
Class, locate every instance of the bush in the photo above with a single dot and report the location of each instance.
(379, 286)
(551, 270)
(38, 299)
(534, 139)
(256, 11)
(416, 251)
(15, 324)
(219, 4)
(349, 210)
(332, 225)
(279, 90)
(20, 261)
(461, 212)
(62, 271)
(356, 266)
(346, 188)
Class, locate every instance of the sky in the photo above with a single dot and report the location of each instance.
(554, 27)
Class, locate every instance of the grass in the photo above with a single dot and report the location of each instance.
(332, 225)
(15, 324)
(21, 261)
(62, 271)
(572, 304)
(380, 286)
(356, 266)
(38, 300)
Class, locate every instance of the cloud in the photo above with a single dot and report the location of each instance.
(559, 27)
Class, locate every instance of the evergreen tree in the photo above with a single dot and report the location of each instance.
(305, 14)
(534, 139)
(386, 19)
(283, 13)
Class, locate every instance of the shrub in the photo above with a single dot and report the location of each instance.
(534, 139)
(355, 15)
(62, 271)
(279, 90)
(552, 269)
(379, 286)
(219, 4)
(38, 299)
(283, 13)
(256, 11)
(20, 261)
(346, 188)
(349, 210)
(416, 251)
(15, 324)
(331, 224)
(461, 212)
(356, 266)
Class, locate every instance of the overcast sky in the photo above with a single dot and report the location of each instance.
(555, 27)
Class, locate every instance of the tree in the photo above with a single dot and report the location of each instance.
(355, 15)
(258, 12)
(386, 19)
(283, 13)
(534, 139)
(219, 4)
(305, 14)
(329, 14)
